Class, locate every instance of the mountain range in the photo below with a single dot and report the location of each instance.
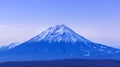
(10, 46)
(59, 42)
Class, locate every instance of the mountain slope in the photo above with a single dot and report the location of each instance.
(58, 42)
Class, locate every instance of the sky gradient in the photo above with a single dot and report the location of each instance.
(97, 20)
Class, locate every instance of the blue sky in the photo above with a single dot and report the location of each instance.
(97, 20)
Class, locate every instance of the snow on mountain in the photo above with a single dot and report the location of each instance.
(57, 34)
(10, 46)
(59, 42)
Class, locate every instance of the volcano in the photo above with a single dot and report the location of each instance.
(58, 42)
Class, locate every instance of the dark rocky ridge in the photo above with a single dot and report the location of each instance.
(64, 63)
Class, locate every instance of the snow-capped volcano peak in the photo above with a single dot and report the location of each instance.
(58, 42)
(59, 33)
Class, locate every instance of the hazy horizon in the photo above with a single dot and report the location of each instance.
(97, 21)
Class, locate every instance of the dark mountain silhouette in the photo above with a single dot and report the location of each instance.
(63, 63)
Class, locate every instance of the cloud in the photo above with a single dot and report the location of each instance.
(5, 27)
